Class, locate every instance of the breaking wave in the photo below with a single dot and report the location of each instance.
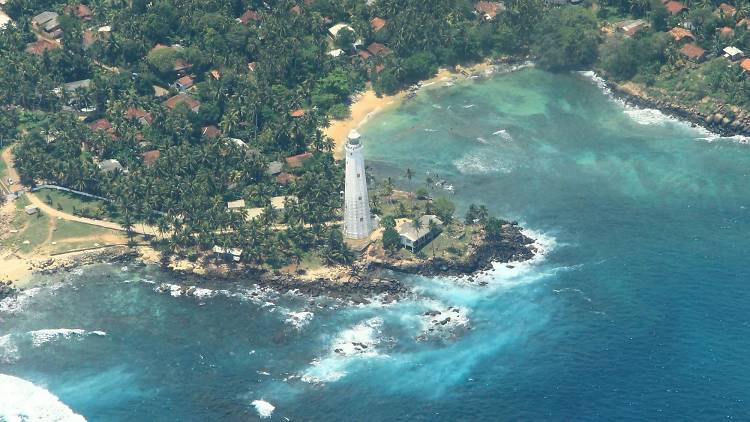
(41, 337)
(480, 162)
(21, 400)
(359, 341)
(264, 408)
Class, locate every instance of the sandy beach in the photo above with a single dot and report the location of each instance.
(369, 104)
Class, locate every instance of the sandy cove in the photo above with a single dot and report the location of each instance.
(369, 104)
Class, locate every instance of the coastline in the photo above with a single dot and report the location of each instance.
(368, 104)
(723, 122)
(363, 277)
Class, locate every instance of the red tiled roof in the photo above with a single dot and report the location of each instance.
(185, 81)
(101, 124)
(377, 24)
(89, 38)
(692, 51)
(489, 8)
(285, 178)
(297, 160)
(137, 113)
(364, 54)
(216, 74)
(249, 15)
(149, 157)
(675, 7)
(298, 113)
(172, 102)
(40, 46)
(181, 64)
(210, 131)
(728, 10)
(680, 33)
(745, 65)
(377, 49)
(726, 31)
(379, 68)
(297, 10)
(80, 10)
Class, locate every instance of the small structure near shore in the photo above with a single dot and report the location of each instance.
(229, 254)
(413, 238)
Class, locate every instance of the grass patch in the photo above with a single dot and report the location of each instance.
(74, 204)
(71, 230)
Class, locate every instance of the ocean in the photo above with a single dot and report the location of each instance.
(636, 309)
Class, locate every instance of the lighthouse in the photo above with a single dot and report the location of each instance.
(357, 220)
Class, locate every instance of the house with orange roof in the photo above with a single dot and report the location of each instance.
(377, 24)
(139, 114)
(727, 10)
(150, 157)
(298, 160)
(189, 101)
(378, 49)
(489, 9)
(675, 7)
(693, 52)
(41, 45)
(184, 83)
(681, 34)
(745, 64)
(249, 16)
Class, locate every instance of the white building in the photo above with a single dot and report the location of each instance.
(413, 239)
(358, 223)
(733, 53)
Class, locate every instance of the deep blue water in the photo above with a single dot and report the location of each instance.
(638, 310)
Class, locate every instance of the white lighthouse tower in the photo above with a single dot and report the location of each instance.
(357, 221)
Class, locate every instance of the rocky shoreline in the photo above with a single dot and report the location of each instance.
(514, 247)
(726, 121)
(365, 279)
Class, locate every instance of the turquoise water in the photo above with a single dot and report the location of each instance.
(637, 310)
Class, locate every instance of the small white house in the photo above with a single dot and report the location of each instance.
(31, 209)
(413, 239)
(236, 205)
(733, 53)
(110, 165)
(234, 254)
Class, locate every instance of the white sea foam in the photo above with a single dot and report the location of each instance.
(14, 304)
(446, 323)
(645, 116)
(470, 105)
(264, 408)
(356, 342)
(41, 337)
(8, 349)
(299, 319)
(21, 400)
(503, 134)
(480, 162)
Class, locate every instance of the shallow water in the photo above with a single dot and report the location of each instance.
(638, 310)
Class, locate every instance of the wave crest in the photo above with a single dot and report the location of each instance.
(21, 400)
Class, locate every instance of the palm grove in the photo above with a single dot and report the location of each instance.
(262, 74)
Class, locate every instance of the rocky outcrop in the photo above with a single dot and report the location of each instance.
(514, 246)
(6, 289)
(726, 120)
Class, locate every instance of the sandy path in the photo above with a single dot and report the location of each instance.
(54, 213)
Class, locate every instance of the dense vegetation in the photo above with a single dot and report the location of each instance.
(250, 77)
(270, 80)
